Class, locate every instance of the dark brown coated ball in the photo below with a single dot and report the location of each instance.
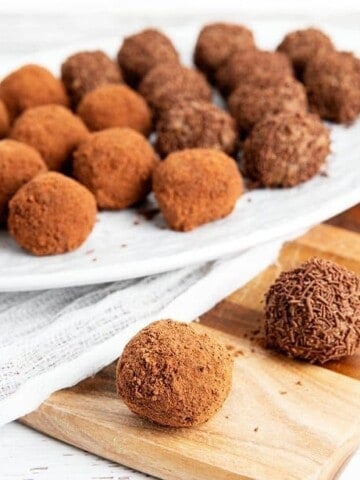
(257, 67)
(332, 81)
(116, 165)
(53, 131)
(140, 52)
(85, 71)
(174, 375)
(31, 86)
(286, 149)
(168, 83)
(195, 124)
(19, 163)
(217, 41)
(313, 312)
(4, 120)
(196, 186)
(51, 214)
(115, 106)
(249, 104)
(301, 45)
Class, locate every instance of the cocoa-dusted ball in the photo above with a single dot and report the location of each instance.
(257, 67)
(53, 131)
(115, 106)
(217, 41)
(195, 124)
(249, 104)
(31, 86)
(51, 214)
(286, 149)
(19, 163)
(84, 71)
(313, 312)
(168, 83)
(140, 52)
(4, 120)
(332, 81)
(173, 375)
(196, 186)
(116, 165)
(301, 45)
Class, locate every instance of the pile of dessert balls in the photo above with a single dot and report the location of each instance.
(79, 144)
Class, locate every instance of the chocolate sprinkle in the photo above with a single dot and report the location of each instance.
(313, 312)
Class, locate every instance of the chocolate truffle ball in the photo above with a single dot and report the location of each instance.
(286, 149)
(141, 52)
(257, 67)
(249, 104)
(19, 163)
(195, 124)
(301, 45)
(217, 41)
(53, 131)
(196, 186)
(4, 120)
(332, 81)
(167, 83)
(313, 312)
(51, 214)
(84, 71)
(173, 375)
(116, 165)
(115, 106)
(31, 86)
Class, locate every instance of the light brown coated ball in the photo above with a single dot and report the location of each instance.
(174, 375)
(195, 124)
(19, 163)
(217, 41)
(249, 104)
(196, 186)
(53, 131)
(115, 106)
(4, 120)
(85, 71)
(140, 52)
(51, 214)
(286, 149)
(31, 86)
(116, 165)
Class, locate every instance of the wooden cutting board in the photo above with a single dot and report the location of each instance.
(284, 419)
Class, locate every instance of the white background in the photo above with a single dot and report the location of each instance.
(30, 25)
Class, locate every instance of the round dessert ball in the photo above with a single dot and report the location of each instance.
(19, 163)
(31, 86)
(313, 312)
(84, 71)
(4, 120)
(51, 214)
(195, 124)
(140, 52)
(53, 131)
(115, 106)
(286, 149)
(116, 165)
(167, 83)
(196, 186)
(249, 104)
(301, 45)
(217, 41)
(173, 375)
(332, 81)
(257, 67)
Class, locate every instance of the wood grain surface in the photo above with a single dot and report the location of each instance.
(284, 419)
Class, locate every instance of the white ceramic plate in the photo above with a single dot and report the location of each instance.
(126, 245)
